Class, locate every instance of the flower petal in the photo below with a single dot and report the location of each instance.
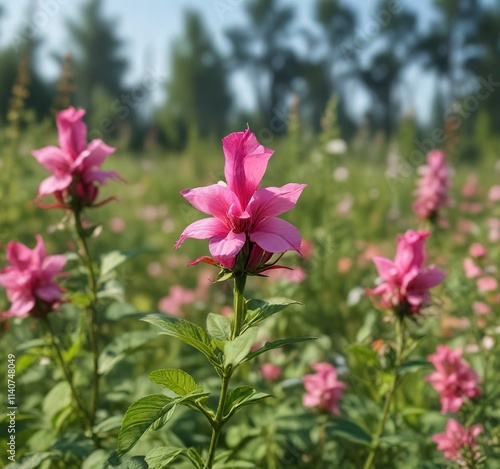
(427, 278)
(53, 159)
(246, 163)
(203, 229)
(54, 184)
(72, 131)
(273, 201)
(386, 268)
(52, 265)
(94, 155)
(225, 249)
(214, 200)
(276, 235)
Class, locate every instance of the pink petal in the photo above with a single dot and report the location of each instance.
(22, 306)
(53, 159)
(94, 155)
(19, 255)
(38, 255)
(225, 249)
(276, 235)
(214, 200)
(273, 201)
(246, 163)
(72, 131)
(203, 229)
(427, 278)
(49, 293)
(99, 176)
(54, 184)
(52, 265)
(386, 268)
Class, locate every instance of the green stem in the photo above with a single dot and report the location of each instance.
(67, 374)
(92, 310)
(239, 319)
(388, 399)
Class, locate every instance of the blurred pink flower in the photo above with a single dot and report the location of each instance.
(480, 307)
(178, 297)
(432, 188)
(471, 269)
(494, 194)
(406, 282)
(454, 379)
(288, 275)
(155, 269)
(227, 311)
(306, 248)
(469, 189)
(242, 214)
(458, 439)
(478, 250)
(29, 280)
(494, 230)
(487, 284)
(117, 225)
(344, 265)
(270, 372)
(345, 205)
(323, 389)
(76, 165)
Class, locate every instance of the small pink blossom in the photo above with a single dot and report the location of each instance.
(478, 250)
(469, 189)
(75, 165)
(494, 194)
(405, 281)
(287, 275)
(323, 389)
(494, 230)
(306, 248)
(243, 216)
(480, 307)
(487, 284)
(471, 269)
(432, 188)
(117, 225)
(178, 297)
(270, 372)
(458, 440)
(454, 379)
(29, 280)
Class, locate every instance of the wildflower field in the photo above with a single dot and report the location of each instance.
(200, 284)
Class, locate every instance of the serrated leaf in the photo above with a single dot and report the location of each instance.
(122, 346)
(159, 458)
(178, 381)
(240, 397)
(236, 350)
(259, 310)
(148, 413)
(188, 333)
(350, 431)
(276, 344)
(218, 327)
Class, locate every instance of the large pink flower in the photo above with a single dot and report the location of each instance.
(76, 165)
(29, 280)
(323, 390)
(406, 282)
(242, 214)
(432, 187)
(454, 379)
(458, 441)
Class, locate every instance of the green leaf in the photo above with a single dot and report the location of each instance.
(178, 381)
(259, 310)
(240, 397)
(32, 461)
(148, 413)
(188, 333)
(276, 344)
(159, 458)
(195, 458)
(58, 398)
(236, 350)
(414, 365)
(235, 465)
(120, 347)
(350, 431)
(218, 327)
(111, 260)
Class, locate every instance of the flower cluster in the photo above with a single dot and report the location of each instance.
(458, 442)
(244, 230)
(75, 165)
(29, 280)
(454, 379)
(405, 281)
(432, 188)
(323, 389)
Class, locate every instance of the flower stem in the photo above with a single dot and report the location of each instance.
(239, 318)
(92, 310)
(388, 399)
(67, 374)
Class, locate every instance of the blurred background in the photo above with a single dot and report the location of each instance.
(162, 74)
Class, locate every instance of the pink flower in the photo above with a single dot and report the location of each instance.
(406, 282)
(432, 188)
(480, 307)
(270, 372)
(458, 441)
(242, 214)
(471, 269)
(29, 280)
(454, 379)
(178, 297)
(478, 250)
(76, 165)
(323, 389)
(494, 194)
(487, 284)
(288, 275)
(306, 248)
